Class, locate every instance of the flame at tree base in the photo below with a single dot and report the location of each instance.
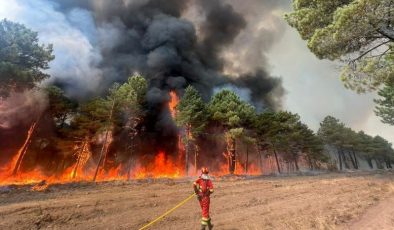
(163, 166)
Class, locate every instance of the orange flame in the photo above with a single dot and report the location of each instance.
(162, 167)
(83, 155)
(40, 187)
(18, 158)
(173, 103)
(253, 168)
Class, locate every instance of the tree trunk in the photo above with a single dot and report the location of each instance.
(296, 164)
(355, 158)
(340, 160)
(295, 159)
(247, 159)
(261, 161)
(352, 160)
(369, 160)
(129, 164)
(277, 160)
(389, 164)
(187, 157)
(344, 159)
(103, 148)
(231, 152)
(196, 151)
(22, 151)
(74, 173)
(309, 162)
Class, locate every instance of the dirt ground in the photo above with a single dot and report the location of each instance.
(327, 201)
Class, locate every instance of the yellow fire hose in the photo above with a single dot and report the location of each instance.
(168, 212)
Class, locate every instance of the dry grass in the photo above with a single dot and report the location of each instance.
(327, 201)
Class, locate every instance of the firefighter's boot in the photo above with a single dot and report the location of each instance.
(203, 227)
(210, 225)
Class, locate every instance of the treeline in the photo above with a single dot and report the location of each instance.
(225, 116)
(280, 135)
(351, 146)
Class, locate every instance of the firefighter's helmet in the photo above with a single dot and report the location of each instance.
(204, 170)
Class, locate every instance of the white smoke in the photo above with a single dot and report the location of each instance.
(73, 37)
(22, 108)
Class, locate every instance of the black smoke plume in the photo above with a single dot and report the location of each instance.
(173, 43)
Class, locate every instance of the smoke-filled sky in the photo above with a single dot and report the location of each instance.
(244, 45)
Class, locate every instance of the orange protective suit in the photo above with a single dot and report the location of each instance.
(203, 187)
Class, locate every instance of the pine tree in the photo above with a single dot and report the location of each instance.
(192, 116)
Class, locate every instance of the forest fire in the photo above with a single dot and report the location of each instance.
(128, 125)
(163, 165)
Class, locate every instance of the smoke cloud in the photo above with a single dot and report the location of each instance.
(173, 43)
(208, 44)
(21, 108)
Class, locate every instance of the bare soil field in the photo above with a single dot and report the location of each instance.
(358, 200)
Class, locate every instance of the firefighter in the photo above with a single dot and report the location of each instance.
(203, 187)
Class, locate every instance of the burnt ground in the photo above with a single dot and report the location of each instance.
(328, 201)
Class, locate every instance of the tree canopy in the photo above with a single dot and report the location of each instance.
(385, 104)
(192, 112)
(360, 33)
(229, 110)
(22, 59)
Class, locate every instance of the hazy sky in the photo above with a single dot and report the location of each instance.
(313, 88)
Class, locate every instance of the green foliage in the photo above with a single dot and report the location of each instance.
(334, 133)
(22, 58)
(124, 103)
(91, 118)
(227, 108)
(385, 105)
(330, 131)
(285, 132)
(382, 149)
(130, 93)
(358, 32)
(60, 107)
(192, 112)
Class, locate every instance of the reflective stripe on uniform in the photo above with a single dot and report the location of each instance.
(205, 221)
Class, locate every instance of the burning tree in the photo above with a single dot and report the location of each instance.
(192, 116)
(129, 101)
(22, 61)
(91, 118)
(233, 115)
(122, 109)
